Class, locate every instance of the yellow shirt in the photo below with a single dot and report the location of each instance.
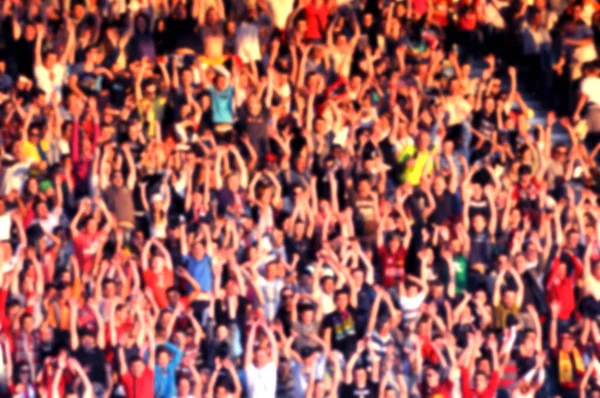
(31, 151)
(413, 173)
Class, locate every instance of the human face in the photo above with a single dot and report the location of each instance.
(480, 382)
(163, 359)
(91, 226)
(137, 369)
(432, 378)
(341, 301)
(261, 358)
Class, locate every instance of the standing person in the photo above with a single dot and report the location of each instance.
(137, 377)
(260, 365)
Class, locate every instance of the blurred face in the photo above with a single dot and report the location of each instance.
(432, 378)
(567, 342)
(91, 226)
(480, 382)
(479, 223)
(364, 188)
(261, 358)
(341, 301)
(221, 83)
(163, 359)
(439, 185)
(270, 272)
(508, 298)
(51, 59)
(198, 250)
(184, 387)
(360, 377)
(423, 141)
(137, 369)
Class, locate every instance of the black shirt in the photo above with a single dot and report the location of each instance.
(93, 363)
(343, 331)
(370, 390)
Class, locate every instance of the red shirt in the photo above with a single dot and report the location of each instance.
(563, 289)
(316, 21)
(86, 246)
(159, 289)
(140, 387)
(443, 390)
(468, 392)
(392, 266)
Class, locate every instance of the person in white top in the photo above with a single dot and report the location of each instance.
(49, 70)
(260, 365)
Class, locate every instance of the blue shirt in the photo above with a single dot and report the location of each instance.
(201, 271)
(164, 378)
(222, 105)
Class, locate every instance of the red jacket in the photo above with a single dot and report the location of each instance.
(468, 392)
(563, 290)
(140, 387)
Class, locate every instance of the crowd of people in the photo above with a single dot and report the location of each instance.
(299, 198)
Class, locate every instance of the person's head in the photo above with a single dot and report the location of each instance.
(198, 249)
(524, 175)
(364, 187)
(479, 223)
(411, 289)
(173, 296)
(88, 340)
(529, 341)
(116, 178)
(432, 377)
(509, 297)
(261, 357)
(162, 357)
(184, 387)
(137, 367)
(341, 299)
(358, 275)
(423, 141)
(567, 341)
(271, 271)
(481, 381)
(439, 185)
(50, 59)
(360, 376)
(150, 91)
(220, 82)
(26, 323)
(41, 209)
(394, 243)
(254, 104)
(109, 288)
(233, 182)
(91, 225)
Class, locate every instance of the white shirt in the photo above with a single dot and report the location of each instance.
(271, 291)
(247, 42)
(5, 223)
(281, 11)
(262, 383)
(50, 81)
(49, 223)
(410, 306)
(590, 86)
(302, 376)
(458, 110)
(15, 177)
